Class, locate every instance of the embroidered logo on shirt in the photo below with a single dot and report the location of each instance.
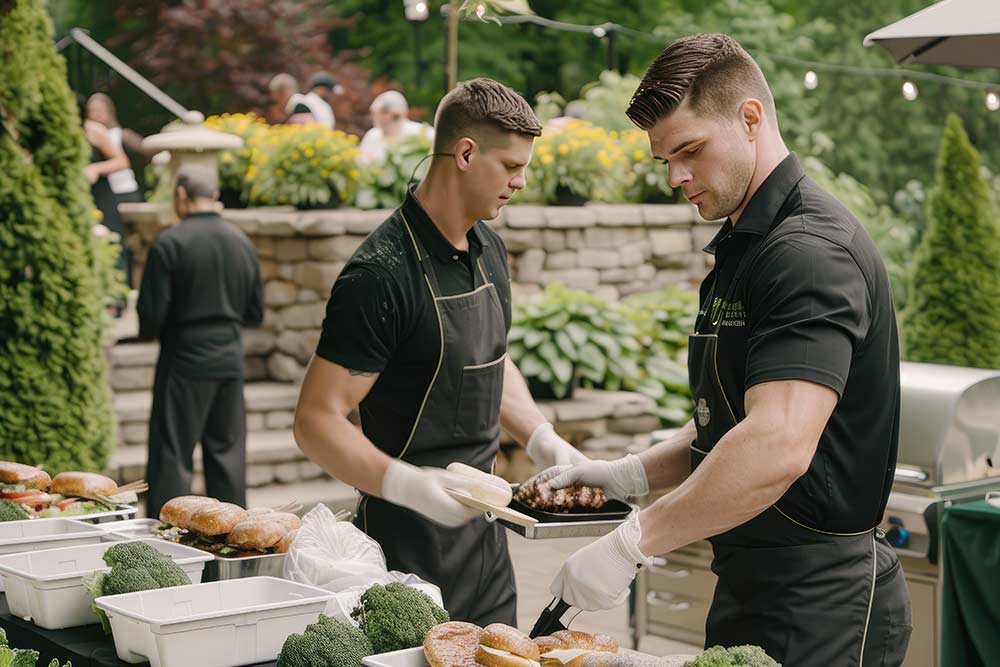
(703, 413)
(731, 313)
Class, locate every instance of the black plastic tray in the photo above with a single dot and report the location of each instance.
(613, 510)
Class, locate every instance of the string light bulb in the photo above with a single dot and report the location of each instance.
(910, 91)
(992, 101)
(810, 81)
(599, 32)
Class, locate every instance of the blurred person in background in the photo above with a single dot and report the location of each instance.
(389, 118)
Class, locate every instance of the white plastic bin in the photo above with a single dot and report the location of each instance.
(38, 534)
(408, 657)
(219, 624)
(47, 586)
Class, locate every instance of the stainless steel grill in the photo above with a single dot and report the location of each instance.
(949, 452)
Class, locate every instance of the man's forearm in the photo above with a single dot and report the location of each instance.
(668, 462)
(519, 415)
(340, 448)
(743, 476)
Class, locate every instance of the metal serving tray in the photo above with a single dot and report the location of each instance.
(570, 524)
(222, 568)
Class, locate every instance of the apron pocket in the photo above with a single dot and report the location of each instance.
(478, 406)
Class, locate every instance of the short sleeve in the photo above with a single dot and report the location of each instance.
(360, 330)
(808, 308)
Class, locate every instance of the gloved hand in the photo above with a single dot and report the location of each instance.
(621, 479)
(598, 575)
(547, 449)
(423, 490)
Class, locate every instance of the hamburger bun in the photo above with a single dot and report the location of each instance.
(178, 511)
(216, 519)
(263, 531)
(452, 644)
(571, 639)
(503, 646)
(285, 543)
(83, 484)
(29, 476)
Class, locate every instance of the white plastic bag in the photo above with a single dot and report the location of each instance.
(339, 557)
(333, 554)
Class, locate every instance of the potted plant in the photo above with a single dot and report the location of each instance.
(233, 164)
(574, 163)
(307, 166)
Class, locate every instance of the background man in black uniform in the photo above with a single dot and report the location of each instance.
(416, 335)
(794, 367)
(200, 285)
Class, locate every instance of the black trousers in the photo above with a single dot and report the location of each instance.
(186, 411)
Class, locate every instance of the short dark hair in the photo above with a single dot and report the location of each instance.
(713, 72)
(482, 109)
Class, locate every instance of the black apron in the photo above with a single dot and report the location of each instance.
(807, 596)
(459, 420)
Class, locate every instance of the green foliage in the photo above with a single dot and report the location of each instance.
(603, 102)
(396, 616)
(54, 396)
(954, 307)
(302, 165)
(10, 511)
(664, 319)
(581, 158)
(326, 643)
(385, 184)
(565, 336)
(894, 236)
(735, 656)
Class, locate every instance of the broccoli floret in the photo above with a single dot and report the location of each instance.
(3, 637)
(128, 580)
(130, 554)
(397, 616)
(736, 656)
(12, 511)
(326, 643)
(24, 658)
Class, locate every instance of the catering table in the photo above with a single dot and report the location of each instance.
(970, 605)
(85, 646)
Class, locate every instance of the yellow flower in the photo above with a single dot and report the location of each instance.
(227, 157)
(294, 155)
(309, 152)
(343, 196)
(564, 149)
(324, 173)
(252, 172)
(638, 154)
(353, 174)
(279, 172)
(546, 159)
(314, 162)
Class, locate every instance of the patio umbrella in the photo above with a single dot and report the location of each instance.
(963, 33)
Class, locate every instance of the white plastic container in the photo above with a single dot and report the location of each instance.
(38, 534)
(47, 586)
(219, 624)
(408, 657)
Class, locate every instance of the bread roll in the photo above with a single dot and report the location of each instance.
(83, 484)
(484, 486)
(30, 476)
(452, 644)
(217, 519)
(178, 511)
(258, 532)
(498, 638)
(285, 543)
(572, 639)
(286, 519)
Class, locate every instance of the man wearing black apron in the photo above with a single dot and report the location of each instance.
(416, 338)
(201, 284)
(794, 367)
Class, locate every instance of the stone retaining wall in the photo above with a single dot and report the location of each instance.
(610, 250)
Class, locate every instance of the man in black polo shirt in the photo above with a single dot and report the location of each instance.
(200, 285)
(416, 337)
(794, 367)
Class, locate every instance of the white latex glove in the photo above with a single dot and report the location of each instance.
(547, 449)
(423, 490)
(598, 576)
(621, 479)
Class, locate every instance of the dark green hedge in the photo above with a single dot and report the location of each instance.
(953, 314)
(55, 404)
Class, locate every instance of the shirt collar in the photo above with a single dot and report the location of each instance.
(765, 204)
(430, 236)
(202, 215)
